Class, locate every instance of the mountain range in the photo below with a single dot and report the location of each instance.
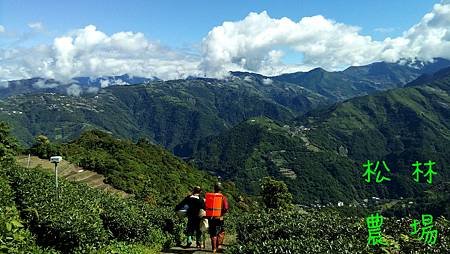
(305, 128)
(74, 87)
(178, 113)
(320, 155)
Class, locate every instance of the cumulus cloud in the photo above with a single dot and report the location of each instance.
(429, 38)
(41, 84)
(2, 29)
(257, 43)
(74, 90)
(251, 44)
(90, 52)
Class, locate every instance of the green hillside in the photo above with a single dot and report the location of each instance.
(320, 155)
(178, 113)
(362, 80)
(75, 218)
(399, 126)
(261, 147)
(143, 169)
(170, 113)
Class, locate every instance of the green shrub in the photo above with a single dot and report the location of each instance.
(14, 237)
(275, 193)
(43, 148)
(315, 231)
(8, 145)
(86, 219)
(66, 222)
(127, 248)
(145, 170)
(129, 220)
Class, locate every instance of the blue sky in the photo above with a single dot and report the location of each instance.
(181, 23)
(173, 39)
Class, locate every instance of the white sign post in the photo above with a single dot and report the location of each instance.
(55, 160)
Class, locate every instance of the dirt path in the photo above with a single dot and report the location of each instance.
(207, 249)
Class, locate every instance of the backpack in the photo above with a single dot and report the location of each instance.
(213, 204)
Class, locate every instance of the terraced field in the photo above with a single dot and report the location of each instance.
(70, 172)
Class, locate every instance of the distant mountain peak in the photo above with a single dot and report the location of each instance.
(318, 69)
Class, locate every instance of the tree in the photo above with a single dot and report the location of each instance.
(8, 145)
(42, 147)
(275, 193)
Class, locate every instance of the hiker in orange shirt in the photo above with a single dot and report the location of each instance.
(216, 206)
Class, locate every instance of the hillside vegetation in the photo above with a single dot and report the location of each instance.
(362, 80)
(400, 126)
(143, 169)
(320, 155)
(325, 231)
(169, 113)
(261, 147)
(35, 219)
(70, 172)
(178, 113)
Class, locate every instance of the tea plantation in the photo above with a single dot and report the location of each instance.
(315, 231)
(35, 217)
(83, 219)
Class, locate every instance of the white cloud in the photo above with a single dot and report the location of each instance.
(248, 79)
(92, 89)
(36, 26)
(2, 29)
(41, 84)
(251, 44)
(119, 82)
(104, 83)
(267, 81)
(257, 43)
(430, 37)
(74, 90)
(90, 52)
(4, 84)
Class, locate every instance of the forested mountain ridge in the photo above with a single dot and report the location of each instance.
(362, 80)
(74, 87)
(408, 123)
(170, 113)
(399, 126)
(178, 113)
(262, 147)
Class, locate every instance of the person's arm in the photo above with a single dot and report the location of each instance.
(203, 205)
(225, 205)
(180, 205)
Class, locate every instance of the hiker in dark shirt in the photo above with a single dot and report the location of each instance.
(195, 203)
